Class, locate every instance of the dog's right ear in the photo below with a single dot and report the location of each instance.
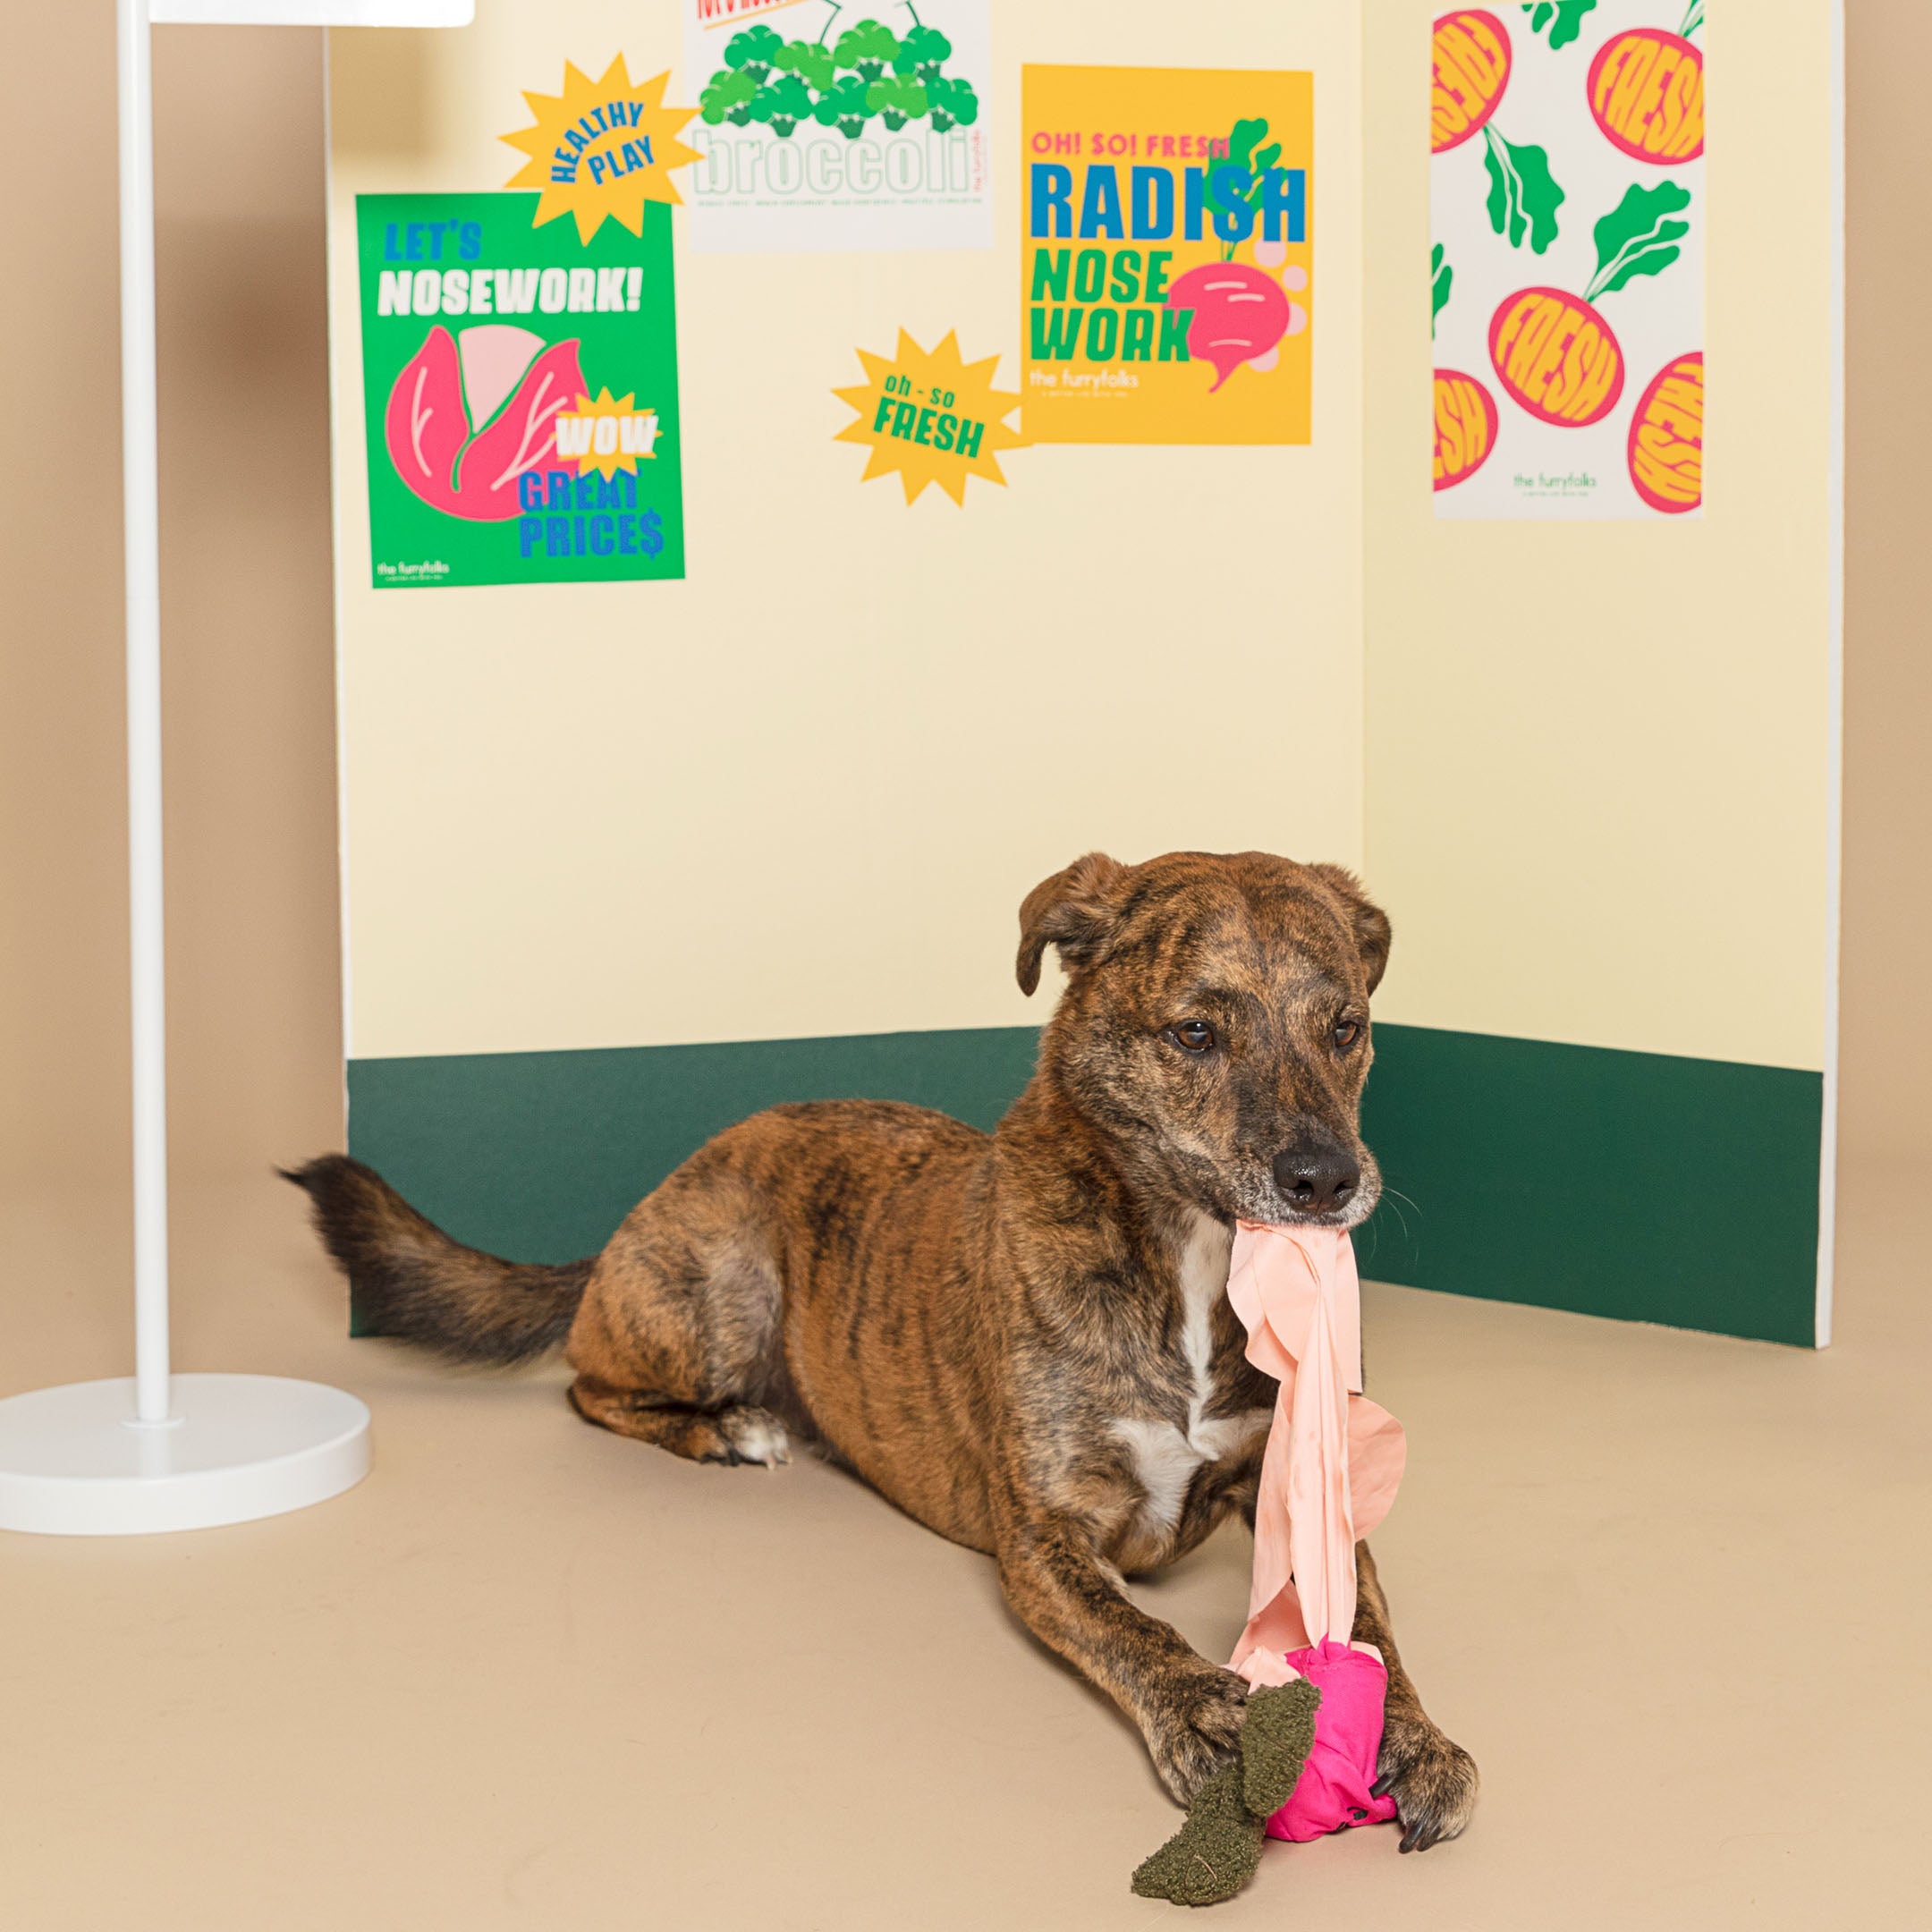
(1074, 910)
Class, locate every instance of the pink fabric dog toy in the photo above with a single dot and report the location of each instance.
(1331, 1469)
(1329, 1472)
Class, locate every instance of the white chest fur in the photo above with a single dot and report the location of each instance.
(1165, 1457)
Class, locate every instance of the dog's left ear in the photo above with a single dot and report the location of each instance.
(1073, 910)
(1373, 934)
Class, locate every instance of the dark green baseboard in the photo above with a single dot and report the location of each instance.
(1640, 1185)
(1646, 1186)
(539, 1155)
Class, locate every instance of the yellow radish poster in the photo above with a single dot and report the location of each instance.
(1567, 260)
(1168, 252)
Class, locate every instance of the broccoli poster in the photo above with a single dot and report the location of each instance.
(822, 125)
(1566, 269)
(520, 385)
(1167, 264)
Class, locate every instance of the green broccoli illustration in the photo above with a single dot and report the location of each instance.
(866, 71)
(867, 48)
(898, 100)
(783, 105)
(845, 107)
(922, 54)
(952, 102)
(728, 98)
(754, 52)
(812, 63)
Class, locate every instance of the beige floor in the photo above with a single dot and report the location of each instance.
(529, 1675)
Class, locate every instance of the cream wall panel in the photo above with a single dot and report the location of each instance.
(1598, 754)
(803, 792)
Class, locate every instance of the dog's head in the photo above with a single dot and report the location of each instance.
(1216, 1024)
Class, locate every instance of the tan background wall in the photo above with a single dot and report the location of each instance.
(1885, 1039)
(1597, 752)
(248, 693)
(254, 982)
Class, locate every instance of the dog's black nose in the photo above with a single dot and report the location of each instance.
(1316, 1180)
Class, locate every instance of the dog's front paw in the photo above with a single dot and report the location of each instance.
(1194, 1727)
(1432, 1781)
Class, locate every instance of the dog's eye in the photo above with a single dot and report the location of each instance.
(1192, 1035)
(1346, 1034)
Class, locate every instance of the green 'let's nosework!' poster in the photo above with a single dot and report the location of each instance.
(521, 391)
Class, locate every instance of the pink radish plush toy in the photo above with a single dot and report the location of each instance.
(1330, 1472)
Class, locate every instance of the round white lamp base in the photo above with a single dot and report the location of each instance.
(73, 1461)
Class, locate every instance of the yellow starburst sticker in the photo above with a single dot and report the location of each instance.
(602, 149)
(606, 435)
(934, 418)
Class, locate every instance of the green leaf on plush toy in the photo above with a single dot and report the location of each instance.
(1214, 1854)
(1277, 1734)
(1216, 1851)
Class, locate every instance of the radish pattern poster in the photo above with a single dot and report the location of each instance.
(1167, 255)
(520, 386)
(1567, 260)
(825, 126)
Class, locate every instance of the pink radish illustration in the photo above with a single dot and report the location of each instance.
(429, 434)
(1237, 311)
(1240, 314)
(427, 426)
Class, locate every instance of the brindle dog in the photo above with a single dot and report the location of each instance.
(1022, 1339)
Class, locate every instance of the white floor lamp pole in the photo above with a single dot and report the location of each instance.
(141, 489)
(159, 1451)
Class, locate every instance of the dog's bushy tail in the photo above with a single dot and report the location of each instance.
(411, 1281)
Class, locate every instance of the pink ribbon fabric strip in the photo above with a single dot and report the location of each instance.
(1333, 1458)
